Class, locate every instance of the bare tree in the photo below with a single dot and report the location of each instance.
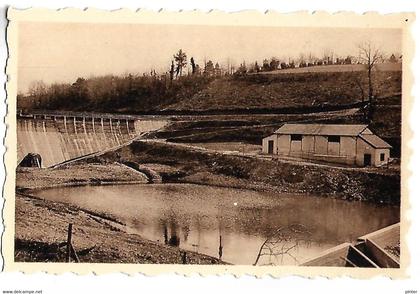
(328, 56)
(359, 82)
(370, 55)
(302, 60)
(311, 59)
(282, 241)
(37, 88)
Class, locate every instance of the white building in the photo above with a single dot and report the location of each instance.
(347, 144)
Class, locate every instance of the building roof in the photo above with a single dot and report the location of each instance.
(375, 141)
(321, 129)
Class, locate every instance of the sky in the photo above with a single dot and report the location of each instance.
(62, 52)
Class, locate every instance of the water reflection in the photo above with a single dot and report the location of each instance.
(204, 219)
(170, 234)
(220, 247)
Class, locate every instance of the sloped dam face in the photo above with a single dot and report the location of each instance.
(62, 138)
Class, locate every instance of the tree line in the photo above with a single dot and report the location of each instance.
(183, 78)
(180, 61)
(130, 92)
(307, 61)
(134, 92)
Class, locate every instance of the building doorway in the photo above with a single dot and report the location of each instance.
(367, 160)
(270, 147)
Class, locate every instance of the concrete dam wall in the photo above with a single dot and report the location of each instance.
(62, 138)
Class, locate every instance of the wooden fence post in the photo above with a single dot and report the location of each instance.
(220, 247)
(73, 251)
(69, 242)
(184, 257)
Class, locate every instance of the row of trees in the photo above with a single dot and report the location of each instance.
(180, 61)
(275, 64)
(369, 56)
(110, 93)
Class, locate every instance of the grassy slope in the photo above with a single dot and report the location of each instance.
(287, 90)
(250, 128)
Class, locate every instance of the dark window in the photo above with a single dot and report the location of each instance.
(334, 139)
(382, 156)
(296, 137)
(367, 159)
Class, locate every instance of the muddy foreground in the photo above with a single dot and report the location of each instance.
(41, 233)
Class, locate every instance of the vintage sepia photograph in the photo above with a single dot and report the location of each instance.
(208, 144)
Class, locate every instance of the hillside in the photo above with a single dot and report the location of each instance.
(288, 90)
(251, 128)
(283, 91)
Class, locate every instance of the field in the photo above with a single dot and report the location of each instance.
(338, 68)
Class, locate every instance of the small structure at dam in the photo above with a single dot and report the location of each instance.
(31, 160)
(346, 144)
(379, 249)
(58, 138)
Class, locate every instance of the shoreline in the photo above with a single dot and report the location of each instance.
(40, 225)
(97, 237)
(177, 163)
(251, 187)
(37, 221)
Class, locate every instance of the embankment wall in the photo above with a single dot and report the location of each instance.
(381, 186)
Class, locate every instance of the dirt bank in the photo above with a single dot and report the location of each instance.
(78, 173)
(41, 232)
(199, 166)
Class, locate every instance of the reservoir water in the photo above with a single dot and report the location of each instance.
(233, 223)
